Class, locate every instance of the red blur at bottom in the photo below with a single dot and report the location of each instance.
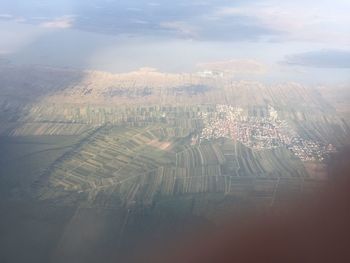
(314, 230)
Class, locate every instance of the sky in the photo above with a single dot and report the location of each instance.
(281, 40)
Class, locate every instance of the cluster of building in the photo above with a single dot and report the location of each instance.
(261, 133)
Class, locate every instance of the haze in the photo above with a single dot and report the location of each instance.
(291, 40)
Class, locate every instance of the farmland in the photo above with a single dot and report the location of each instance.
(136, 165)
(132, 156)
(143, 136)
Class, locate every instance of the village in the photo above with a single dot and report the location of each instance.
(261, 133)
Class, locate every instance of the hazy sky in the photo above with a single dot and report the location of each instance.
(292, 39)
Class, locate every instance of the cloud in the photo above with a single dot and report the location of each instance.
(4, 52)
(9, 17)
(62, 23)
(320, 59)
(234, 66)
(300, 20)
(161, 18)
(6, 16)
(180, 27)
(211, 28)
(324, 22)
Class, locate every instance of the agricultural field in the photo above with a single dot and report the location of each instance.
(125, 158)
(130, 156)
(129, 166)
(25, 158)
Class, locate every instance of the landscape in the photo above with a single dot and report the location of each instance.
(128, 126)
(141, 146)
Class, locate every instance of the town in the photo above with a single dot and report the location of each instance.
(261, 133)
